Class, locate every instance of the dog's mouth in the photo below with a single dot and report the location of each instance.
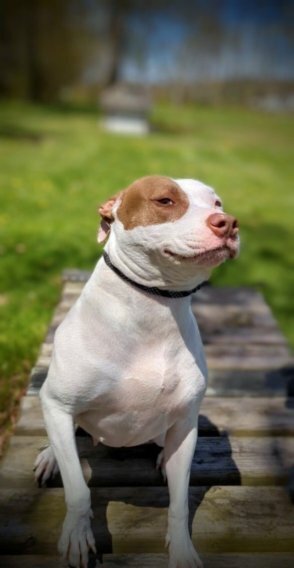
(211, 257)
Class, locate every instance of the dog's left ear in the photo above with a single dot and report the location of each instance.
(105, 210)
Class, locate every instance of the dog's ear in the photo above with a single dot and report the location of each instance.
(105, 210)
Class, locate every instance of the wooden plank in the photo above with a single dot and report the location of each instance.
(74, 281)
(234, 335)
(246, 383)
(258, 335)
(272, 560)
(30, 422)
(133, 520)
(220, 312)
(221, 356)
(217, 461)
(76, 275)
(224, 314)
(242, 416)
(228, 375)
(242, 296)
(246, 357)
(220, 320)
(218, 317)
(214, 317)
(230, 381)
(242, 342)
(247, 416)
(38, 376)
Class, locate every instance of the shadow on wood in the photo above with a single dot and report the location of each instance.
(136, 468)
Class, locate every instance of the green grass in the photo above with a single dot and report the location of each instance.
(56, 167)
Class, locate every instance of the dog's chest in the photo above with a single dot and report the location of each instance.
(141, 364)
(160, 377)
(148, 395)
(157, 377)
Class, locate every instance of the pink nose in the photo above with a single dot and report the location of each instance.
(223, 225)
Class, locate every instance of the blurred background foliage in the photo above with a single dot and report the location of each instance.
(205, 50)
(214, 70)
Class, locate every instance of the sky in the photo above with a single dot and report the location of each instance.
(210, 40)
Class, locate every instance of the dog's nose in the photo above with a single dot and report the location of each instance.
(223, 225)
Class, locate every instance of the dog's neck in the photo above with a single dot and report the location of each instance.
(144, 267)
(153, 290)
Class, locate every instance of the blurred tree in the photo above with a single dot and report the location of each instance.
(39, 51)
(69, 49)
(119, 10)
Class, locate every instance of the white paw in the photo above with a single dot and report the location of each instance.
(182, 553)
(160, 464)
(45, 466)
(76, 539)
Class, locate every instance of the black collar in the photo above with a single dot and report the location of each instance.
(151, 289)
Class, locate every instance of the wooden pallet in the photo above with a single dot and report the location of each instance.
(245, 350)
(242, 478)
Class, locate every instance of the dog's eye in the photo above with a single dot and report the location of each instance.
(165, 201)
(218, 203)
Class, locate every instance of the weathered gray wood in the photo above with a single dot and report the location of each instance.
(127, 520)
(241, 383)
(242, 416)
(38, 376)
(241, 296)
(246, 352)
(246, 357)
(222, 319)
(257, 335)
(221, 356)
(30, 421)
(247, 416)
(272, 560)
(242, 441)
(225, 314)
(224, 461)
(216, 314)
(231, 381)
(76, 275)
(216, 307)
(239, 306)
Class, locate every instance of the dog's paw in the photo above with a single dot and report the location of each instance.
(182, 553)
(45, 466)
(77, 539)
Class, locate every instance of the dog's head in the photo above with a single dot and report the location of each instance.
(168, 232)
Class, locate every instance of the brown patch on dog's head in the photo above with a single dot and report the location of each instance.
(152, 200)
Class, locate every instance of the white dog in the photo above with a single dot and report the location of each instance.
(128, 363)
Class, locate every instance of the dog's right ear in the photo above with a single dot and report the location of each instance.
(105, 210)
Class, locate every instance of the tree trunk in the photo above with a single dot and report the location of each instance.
(119, 9)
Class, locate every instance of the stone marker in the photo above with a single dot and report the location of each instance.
(125, 109)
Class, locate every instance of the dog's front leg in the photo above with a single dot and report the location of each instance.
(178, 454)
(77, 536)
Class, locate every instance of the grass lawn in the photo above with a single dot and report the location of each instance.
(57, 166)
